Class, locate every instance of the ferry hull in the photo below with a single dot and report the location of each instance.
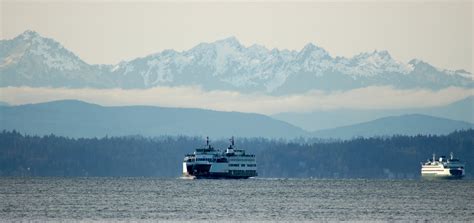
(217, 176)
(441, 177)
(213, 171)
(444, 174)
(199, 169)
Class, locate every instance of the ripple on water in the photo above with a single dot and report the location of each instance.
(125, 199)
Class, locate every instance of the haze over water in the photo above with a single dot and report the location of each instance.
(130, 199)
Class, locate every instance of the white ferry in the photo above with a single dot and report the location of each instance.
(207, 162)
(442, 168)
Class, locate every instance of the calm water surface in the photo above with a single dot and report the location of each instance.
(131, 199)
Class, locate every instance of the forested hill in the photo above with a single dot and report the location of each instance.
(394, 157)
(77, 119)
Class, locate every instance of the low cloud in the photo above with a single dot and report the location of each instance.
(384, 97)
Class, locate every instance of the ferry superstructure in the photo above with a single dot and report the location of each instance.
(207, 162)
(443, 168)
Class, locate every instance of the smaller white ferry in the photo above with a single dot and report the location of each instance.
(442, 168)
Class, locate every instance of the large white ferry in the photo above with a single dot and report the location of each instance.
(207, 162)
(442, 168)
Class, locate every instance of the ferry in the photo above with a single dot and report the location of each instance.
(442, 168)
(209, 163)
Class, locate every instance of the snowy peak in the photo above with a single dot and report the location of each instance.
(229, 41)
(423, 67)
(418, 62)
(32, 60)
(463, 73)
(376, 63)
(375, 56)
(313, 52)
(28, 35)
(31, 46)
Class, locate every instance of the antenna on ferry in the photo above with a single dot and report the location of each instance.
(434, 155)
(232, 141)
(207, 140)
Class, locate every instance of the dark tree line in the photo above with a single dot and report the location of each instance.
(392, 157)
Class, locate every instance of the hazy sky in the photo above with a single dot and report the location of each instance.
(439, 32)
(375, 97)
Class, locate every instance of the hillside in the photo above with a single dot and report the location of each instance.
(391, 157)
(74, 118)
(79, 119)
(413, 124)
(462, 110)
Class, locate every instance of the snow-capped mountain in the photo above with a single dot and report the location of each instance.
(32, 60)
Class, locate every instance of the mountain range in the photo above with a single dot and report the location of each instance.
(413, 124)
(74, 118)
(32, 60)
(462, 110)
(80, 119)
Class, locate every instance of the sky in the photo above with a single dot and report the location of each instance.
(106, 32)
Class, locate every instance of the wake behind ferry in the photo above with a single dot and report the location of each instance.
(207, 162)
(443, 168)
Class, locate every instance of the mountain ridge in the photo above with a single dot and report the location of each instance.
(32, 60)
(74, 118)
(461, 110)
(408, 124)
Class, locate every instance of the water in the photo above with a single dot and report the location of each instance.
(132, 199)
